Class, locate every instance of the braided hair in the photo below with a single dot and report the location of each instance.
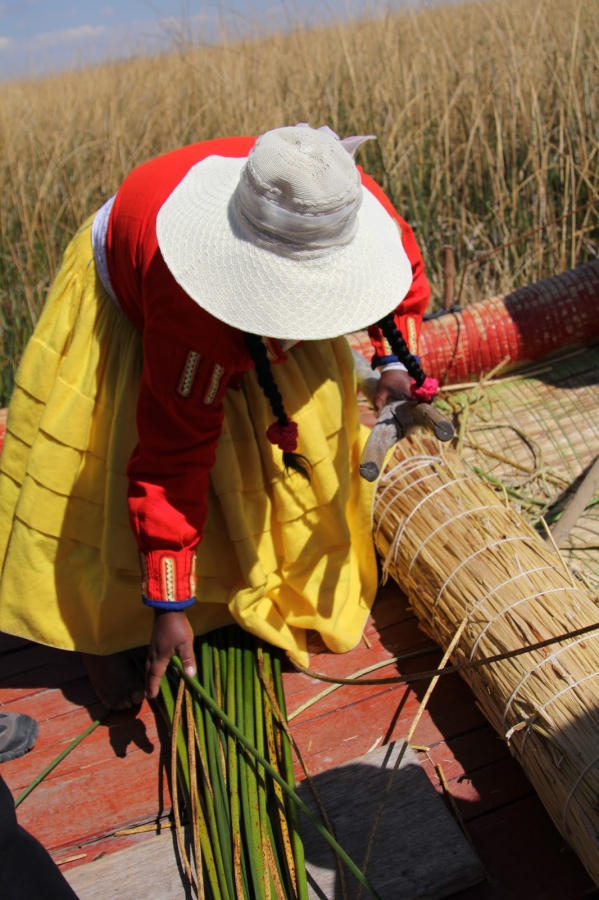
(400, 349)
(291, 460)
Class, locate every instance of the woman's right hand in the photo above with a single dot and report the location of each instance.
(171, 635)
(394, 384)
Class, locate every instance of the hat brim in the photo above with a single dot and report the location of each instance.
(254, 289)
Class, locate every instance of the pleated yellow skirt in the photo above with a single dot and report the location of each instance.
(279, 556)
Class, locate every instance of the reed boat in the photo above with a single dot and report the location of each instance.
(520, 383)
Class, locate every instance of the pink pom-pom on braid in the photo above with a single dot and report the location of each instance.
(283, 436)
(426, 391)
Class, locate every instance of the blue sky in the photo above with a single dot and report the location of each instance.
(37, 36)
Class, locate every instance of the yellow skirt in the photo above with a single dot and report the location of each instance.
(279, 556)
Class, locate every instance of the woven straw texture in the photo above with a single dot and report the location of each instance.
(525, 325)
(538, 435)
(478, 575)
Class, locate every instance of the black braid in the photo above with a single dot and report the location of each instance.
(400, 349)
(258, 352)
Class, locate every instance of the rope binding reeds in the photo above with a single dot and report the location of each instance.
(471, 565)
(449, 670)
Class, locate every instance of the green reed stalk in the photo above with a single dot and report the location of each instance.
(195, 684)
(209, 805)
(296, 839)
(249, 845)
(268, 848)
(292, 872)
(183, 774)
(39, 778)
(222, 833)
(233, 773)
(275, 864)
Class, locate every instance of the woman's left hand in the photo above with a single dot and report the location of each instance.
(171, 635)
(394, 384)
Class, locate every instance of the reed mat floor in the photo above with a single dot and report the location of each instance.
(536, 432)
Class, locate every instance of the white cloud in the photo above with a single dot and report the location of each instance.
(108, 11)
(5, 42)
(69, 35)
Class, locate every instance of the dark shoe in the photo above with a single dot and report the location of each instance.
(17, 735)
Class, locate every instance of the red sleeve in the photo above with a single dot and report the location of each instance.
(408, 315)
(179, 420)
(189, 357)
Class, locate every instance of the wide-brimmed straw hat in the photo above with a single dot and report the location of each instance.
(285, 243)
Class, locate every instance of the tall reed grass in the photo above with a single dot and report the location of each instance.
(487, 116)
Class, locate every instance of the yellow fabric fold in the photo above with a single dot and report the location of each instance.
(280, 556)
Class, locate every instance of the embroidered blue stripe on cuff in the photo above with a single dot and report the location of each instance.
(169, 605)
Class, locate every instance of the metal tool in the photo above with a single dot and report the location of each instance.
(396, 420)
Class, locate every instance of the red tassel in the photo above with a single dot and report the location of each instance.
(283, 436)
(426, 391)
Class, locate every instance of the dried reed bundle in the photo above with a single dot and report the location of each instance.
(537, 436)
(468, 561)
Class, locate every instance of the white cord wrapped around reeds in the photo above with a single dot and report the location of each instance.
(468, 561)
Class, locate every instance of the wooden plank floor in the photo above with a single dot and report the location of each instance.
(116, 778)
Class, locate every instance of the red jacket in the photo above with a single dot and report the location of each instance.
(189, 359)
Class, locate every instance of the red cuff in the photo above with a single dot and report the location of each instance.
(168, 577)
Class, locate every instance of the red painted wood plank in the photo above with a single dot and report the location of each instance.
(95, 801)
(70, 810)
(299, 688)
(465, 754)
(390, 607)
(54, 730)
(55, 702)
(490, 788)
(325, 741)
(403, 637)
(526, 857)
(38, 675)
(45, 705)
(121, 734)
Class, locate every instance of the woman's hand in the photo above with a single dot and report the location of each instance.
(394, 384)
(171, 635)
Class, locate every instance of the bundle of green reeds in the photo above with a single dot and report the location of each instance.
(243, 829)
(232, 763)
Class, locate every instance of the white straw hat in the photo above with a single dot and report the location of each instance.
(285, 243)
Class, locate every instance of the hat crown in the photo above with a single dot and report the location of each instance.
(304, 171)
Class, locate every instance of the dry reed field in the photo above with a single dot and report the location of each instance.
(487, 117)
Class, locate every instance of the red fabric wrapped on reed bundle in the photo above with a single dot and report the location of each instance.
(526, 325)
